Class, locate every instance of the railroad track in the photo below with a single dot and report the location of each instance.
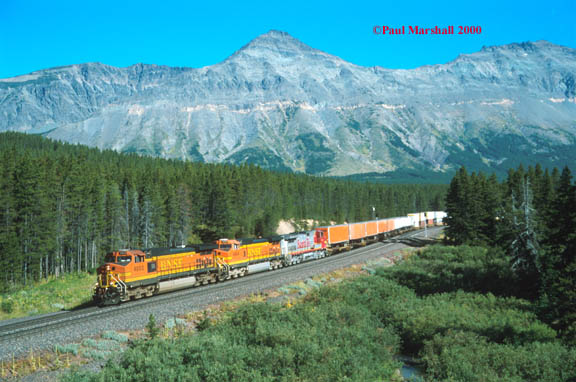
(31, 326)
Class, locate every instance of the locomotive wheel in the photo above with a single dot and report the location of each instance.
(115, 300)
(111, 298)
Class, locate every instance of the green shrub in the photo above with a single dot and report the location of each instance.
(171, 323)
(151, 327)
(68, 348)
(89, 342)
(418, 319)
(112, 335)
(265, 342)
(96, 354)
(448, 269)
(467, 357)
(501, 320)
(7, 305)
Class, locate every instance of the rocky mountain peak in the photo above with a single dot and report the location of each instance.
(275, 44)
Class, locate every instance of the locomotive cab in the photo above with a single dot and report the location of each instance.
(226, 245)
(320, 238)
(111, 287)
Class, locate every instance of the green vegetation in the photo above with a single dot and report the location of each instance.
(532, 217)
(464, 356)
(63, 206)
(352, 330)
(152, 328)
(451, 269)
(264, 342)
(51, 295)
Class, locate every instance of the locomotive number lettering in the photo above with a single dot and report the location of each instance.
(203, 263)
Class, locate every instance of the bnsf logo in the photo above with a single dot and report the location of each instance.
(254, 252)
(170, 264)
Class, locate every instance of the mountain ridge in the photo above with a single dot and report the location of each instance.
(282, 104)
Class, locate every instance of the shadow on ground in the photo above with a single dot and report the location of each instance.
(414, 242)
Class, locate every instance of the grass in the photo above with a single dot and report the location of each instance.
(47, 296)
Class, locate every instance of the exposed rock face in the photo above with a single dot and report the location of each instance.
(281, 104)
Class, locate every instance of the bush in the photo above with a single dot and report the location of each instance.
(467, 357)
(171, 323)
(7, 305)
(112, 335)
(501, 320)
(265, 342)
(448, 269)
(96, 354)
(418, 319)
(151, 327)
(89, 342)
(68, 348)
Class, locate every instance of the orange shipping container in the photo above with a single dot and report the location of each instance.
(381, 226)
(372, 228)
(389, 225)
(335, 233)
(357, 231)
(385, 225)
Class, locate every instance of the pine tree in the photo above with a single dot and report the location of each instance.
(559, 289)
(459, 222)
(525, 247)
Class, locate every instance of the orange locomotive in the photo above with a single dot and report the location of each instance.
(134, 273)
(245, 256)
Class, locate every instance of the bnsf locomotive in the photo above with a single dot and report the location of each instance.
(133, 273)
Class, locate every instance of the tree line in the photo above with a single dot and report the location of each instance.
(532, 216)
(63, 206)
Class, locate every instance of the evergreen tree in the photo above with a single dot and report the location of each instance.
(525, 247)
(459, 228)
(559, 290)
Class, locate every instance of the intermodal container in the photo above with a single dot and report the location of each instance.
(372, 228)
(385, 225)
(357, 231)
(336, 233)
(402, 222)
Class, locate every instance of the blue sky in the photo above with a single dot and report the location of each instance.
(41, 34)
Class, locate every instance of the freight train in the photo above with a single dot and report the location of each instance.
(133, 273)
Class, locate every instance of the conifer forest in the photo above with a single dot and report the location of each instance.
(531, 216)
(64, 206)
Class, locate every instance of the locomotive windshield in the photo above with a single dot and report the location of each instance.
(120, 260)
(225, 247)
(123, 260)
